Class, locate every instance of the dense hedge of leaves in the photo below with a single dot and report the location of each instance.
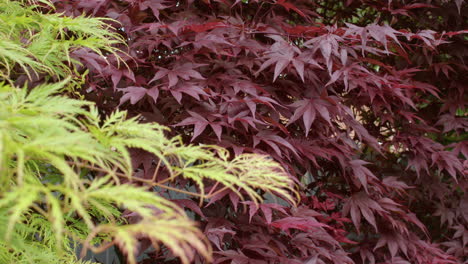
(362, 101)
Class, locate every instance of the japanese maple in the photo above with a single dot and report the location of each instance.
(363, 103)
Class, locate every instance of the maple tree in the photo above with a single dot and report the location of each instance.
(363, 103)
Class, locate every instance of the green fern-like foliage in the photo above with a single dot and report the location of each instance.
(62, 166)
(46, 202)
(34, 43)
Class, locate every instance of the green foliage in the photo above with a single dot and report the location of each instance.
(62, 166)
(44, 149)
(34, 43)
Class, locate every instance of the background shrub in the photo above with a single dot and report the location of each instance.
(363, 102)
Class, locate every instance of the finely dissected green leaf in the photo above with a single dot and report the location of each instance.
(41, 43)
(40, 141)
(22, 202)
(178, 234)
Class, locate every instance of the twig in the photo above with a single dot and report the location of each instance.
(150, 182)
(156, 171)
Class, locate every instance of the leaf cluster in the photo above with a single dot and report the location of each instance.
(362, 101)
(39, 44)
